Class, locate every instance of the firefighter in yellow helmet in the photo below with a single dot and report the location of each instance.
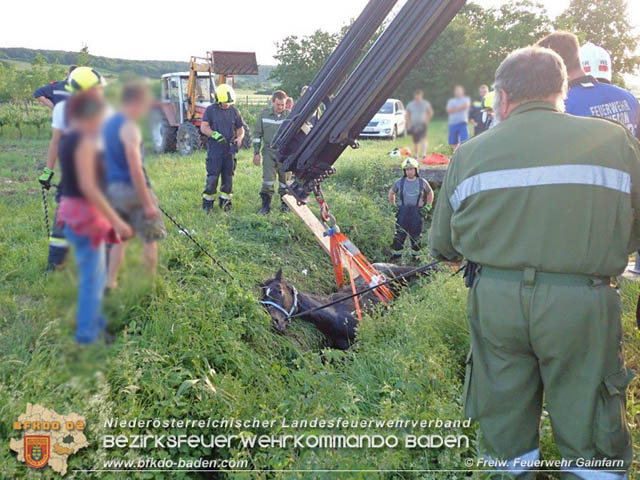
(80, 79)
(413, 197)
(223, 125)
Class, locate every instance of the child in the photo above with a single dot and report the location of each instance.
(223, 125)
(128, 186)
(410, 194)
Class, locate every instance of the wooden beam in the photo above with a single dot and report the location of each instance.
(304, 213)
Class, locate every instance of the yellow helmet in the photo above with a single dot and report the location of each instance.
(489, 98)
(224, 94)
(410, 163)
(84, 78)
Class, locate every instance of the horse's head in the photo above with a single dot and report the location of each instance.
(280, 300)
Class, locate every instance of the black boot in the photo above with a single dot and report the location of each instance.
(207, 205)
(266, 204)
(284, 208)
(225, 204)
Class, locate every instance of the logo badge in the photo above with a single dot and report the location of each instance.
(36, 450)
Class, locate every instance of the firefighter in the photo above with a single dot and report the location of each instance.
(80, 79)
(266, 126)
(596, 61)
(587, 96)
(545, 207)
(411, 195)
(53, 93)
(223, 125)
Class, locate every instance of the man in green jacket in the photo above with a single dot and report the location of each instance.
(546, 207)
(267, 125)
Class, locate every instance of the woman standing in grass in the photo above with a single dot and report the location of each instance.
(88, 218)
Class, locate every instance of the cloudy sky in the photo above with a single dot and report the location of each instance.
(162, 30)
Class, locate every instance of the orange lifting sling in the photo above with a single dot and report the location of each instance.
(342, 247)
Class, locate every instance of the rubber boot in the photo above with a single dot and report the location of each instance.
(225, 204)
(266, 204)
(284, 208)
(207, 205)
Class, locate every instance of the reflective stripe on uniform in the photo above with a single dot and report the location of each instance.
(257, 140)
(272, 122)
(585, 474)
(208, 197)
(269, 184)
(226, 196)
(510, 465)
(58, 242)
(283, 185)
(538, 176)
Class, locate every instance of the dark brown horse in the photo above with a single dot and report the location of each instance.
(338, 322)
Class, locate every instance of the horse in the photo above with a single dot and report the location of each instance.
(338, 323)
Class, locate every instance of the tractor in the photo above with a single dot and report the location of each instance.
(176, 117)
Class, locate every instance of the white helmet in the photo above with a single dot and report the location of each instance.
(596, 61)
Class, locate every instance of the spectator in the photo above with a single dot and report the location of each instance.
(477, 110)
(417, 116)
(288, 104)
(458, 110)
(89, 220)
(128, 186)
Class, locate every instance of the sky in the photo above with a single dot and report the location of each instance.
(162, 30)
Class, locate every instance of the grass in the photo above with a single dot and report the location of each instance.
(193, 345)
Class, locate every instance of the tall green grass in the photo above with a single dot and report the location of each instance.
(192, 344)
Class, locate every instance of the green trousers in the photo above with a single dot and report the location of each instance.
(536, 335)
(272, 171)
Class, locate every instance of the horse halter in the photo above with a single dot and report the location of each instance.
(294, 305)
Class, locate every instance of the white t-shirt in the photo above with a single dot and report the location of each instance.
(57, 117)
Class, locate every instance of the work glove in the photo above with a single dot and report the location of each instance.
(425, 210)
(45, 178)
(218, 137)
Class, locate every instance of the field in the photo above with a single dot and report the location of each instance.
(193, 344)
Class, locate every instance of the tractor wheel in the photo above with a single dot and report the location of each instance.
(246, 141)
(163, 135)
(188, 139)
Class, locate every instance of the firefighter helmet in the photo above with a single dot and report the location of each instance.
(224, 94)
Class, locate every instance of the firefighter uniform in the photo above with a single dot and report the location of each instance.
(409, 218)
(56, 92)
(221, 154)
(266, 126)
(547, 205)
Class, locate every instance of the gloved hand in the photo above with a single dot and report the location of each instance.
(45, 178)
(425, 210)
(218, 137)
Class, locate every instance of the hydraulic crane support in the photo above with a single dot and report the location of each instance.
(335, 69)
(415, 27)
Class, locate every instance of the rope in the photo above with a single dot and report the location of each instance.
(188, 235)
(46, 211)
(362, 292)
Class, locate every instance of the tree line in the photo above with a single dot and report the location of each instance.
(470, 49)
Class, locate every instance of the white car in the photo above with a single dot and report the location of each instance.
(389, 122)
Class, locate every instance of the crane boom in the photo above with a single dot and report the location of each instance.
(352, 100)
